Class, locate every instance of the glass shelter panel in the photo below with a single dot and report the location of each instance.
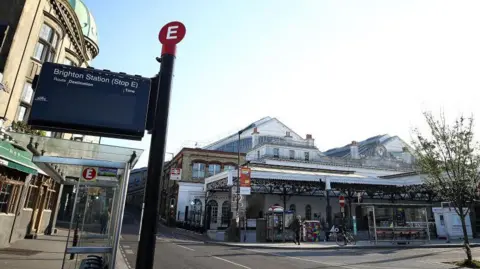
(397, 223)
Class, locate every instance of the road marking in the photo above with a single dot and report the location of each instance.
(125, 246)
(129, 251)
(303, 259)
(191, 249)
(234, 263)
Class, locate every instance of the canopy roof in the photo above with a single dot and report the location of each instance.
(74, 149)
(316, 176)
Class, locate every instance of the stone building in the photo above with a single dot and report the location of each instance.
(32, 32)
(35, 31)
(187, 193)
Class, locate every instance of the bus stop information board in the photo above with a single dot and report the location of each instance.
(90, 101)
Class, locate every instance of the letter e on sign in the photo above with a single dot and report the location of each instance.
(89, 174)
(172, 33)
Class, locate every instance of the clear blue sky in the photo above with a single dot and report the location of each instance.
(341, 70)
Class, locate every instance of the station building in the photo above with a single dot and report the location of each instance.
(288, 170)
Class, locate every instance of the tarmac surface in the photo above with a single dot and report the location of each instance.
(179, 249)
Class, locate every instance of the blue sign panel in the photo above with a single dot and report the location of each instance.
(90, 101)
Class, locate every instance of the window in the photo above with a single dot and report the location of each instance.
(225, 213)
(308, 212)
(31, 197)
(8, 196)
(27, 93)
(276, 153)
(307, 156)
(293, 208)
(213, 169)
(258, 154)
(292, 154)
(47, 43)
(198, 170)
(22, 112)
(228, 167)
(213, 211)
(67, 61)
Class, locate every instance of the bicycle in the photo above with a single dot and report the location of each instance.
(344, 238)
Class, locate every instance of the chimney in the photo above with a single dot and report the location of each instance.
(255, 137)
(310, 140)
(354, 150)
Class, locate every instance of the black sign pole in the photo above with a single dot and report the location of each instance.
(146, 246)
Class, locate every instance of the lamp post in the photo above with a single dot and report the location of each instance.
(329, 207)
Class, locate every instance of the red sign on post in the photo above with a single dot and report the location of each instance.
(341, 201)
(89, 173)
(170, 35)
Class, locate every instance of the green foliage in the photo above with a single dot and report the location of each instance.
(450, 159)
(22, 127)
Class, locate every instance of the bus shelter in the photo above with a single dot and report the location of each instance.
(397, 223)
(97, 204)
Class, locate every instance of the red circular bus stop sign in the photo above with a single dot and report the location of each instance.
(172, 33)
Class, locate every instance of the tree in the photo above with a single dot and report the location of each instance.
(449, 158)
(22, 127)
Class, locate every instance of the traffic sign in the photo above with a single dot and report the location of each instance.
(341, 201)
(175, 174)
(172, 33)
(89, 174)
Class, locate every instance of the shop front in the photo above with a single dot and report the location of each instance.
(19, 215)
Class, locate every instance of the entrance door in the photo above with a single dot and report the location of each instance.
(212, 214)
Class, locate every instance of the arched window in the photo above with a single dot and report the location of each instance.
(225, 210)
(213, 210)
(293, 208)
(308, 212)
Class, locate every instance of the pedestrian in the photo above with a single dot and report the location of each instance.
(104, 221)
(296, 226)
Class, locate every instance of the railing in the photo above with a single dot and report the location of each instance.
(388, 164)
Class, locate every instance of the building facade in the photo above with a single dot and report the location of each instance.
(31, 33)
(187, 194)
(35, 31)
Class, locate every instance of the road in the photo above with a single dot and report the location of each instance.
(175, 249)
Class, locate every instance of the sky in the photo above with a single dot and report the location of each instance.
(340, 70)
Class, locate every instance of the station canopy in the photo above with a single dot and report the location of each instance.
(57, 147)
(314, 176)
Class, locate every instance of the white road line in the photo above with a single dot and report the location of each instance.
(129, 251)
(126, 246)
(303, 259)
(358, 266)
(234, 263)
(191, 249)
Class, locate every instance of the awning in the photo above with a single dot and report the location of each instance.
(16, 157)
